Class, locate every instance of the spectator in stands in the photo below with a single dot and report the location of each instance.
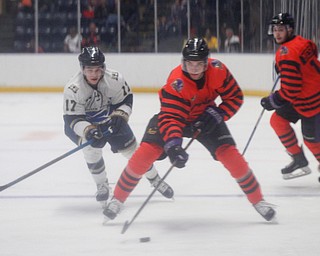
(130, 14)
(88, 12)
(211, 40)
(112, 28)
(88, 9)
(101, 11)
(197, 11)
(72, 41)
(176, 15)
(232, 42)
(25, 6)
(163, 27)
(92, 38)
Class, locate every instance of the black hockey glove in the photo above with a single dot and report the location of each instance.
(208, 120)
(273, 101)
(117, 119)
(177, 155)
(93, 132)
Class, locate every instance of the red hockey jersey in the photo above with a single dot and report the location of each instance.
(182, 102)
(297, 62)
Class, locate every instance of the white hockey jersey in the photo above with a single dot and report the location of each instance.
(84, 105)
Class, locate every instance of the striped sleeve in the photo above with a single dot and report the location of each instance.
(174, 111)
(291, 79)
(231, 96)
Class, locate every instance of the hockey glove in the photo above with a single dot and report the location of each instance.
(273, 101)
(93, 132)
(208, 120)
(177, 155)
(117, 119)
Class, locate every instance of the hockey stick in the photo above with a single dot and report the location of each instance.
(10, 184)
(127, 224)
(258, 121)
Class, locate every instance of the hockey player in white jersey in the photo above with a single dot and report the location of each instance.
(97, 105)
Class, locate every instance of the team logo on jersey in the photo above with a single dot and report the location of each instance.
(284, 50)
(115, 76)
(152, 131)
(216, 64)
(73, 88)
(177, 85)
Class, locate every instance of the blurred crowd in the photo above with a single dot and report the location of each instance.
(60, 30)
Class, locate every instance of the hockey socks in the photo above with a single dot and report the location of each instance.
(235, 163)
(250, 187)
(126, 183)
(138, 165)
(314, 148)
(285, 133)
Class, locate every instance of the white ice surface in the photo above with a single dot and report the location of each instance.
(54, 211)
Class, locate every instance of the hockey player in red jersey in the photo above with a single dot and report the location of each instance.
(188, 104)
(299, 95)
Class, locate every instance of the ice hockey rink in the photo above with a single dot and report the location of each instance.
(54, 212)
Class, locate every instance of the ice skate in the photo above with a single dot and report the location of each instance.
(265, 210)
(163, 187)
(103, 193)
(112, 209)
(297, 168)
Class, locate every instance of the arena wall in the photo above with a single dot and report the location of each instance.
(145, 72)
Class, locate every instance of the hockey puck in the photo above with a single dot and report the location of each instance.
(144, 239)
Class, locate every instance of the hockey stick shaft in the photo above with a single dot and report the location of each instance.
(258, 121)
(40, 168)
(127, 224)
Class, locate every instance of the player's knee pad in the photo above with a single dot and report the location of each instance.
(128, 151)
(144, 157)
(92, 155)
(232, 160)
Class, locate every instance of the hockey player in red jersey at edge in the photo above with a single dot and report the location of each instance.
(299, 95)
(187, 105)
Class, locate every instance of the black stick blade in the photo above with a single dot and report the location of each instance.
(125, 227)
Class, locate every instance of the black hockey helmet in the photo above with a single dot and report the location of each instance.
(91, 56)
(282, 18)
(195, 49)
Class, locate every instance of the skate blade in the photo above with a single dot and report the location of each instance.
(106, 221)
(296, 174)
